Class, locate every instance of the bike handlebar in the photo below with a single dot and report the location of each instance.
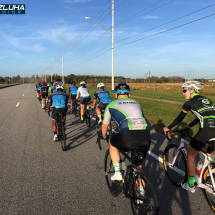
(182, 131)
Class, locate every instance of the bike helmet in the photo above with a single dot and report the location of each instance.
(59, 87)
(122, 89)
(73, 82)
(55, 84)
(196, 85)
(100, 85)
(43, 82)
(60, 82)
(82, 83)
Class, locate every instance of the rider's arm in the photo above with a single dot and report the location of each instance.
(181, 116)
(94, 102)
(194, 122)
(106, 122)
(77, 94)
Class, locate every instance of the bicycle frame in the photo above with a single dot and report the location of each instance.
(209, 188)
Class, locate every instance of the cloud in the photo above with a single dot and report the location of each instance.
(61, 21)
(72, 9)
(149, 17)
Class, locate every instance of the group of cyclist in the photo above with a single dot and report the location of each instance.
(133, 129)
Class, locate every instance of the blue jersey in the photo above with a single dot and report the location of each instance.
(59, 100)
(38, 86)
(53, 90)
(103, 96)
(73, 89)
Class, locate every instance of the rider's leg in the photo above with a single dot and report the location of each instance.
(54, 126)
(98, 112)
(71, 105)
(82, 112)
(191, 154)
(115, 157)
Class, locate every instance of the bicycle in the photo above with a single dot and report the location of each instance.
(87, 118)
(75, 108)
(61, 132)
(174, 161)
(132, 178)
(39, 98)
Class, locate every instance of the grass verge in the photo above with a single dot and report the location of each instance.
(8, 85)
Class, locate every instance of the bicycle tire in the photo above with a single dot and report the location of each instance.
(209, 196)
(75, 110)
(149, 204)
(45, 107)
(62, 135)
(177, 175)
(87, 118)
(113, 186)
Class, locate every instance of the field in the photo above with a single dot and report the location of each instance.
(7, 85)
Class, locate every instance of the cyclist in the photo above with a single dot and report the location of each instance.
(204, 111)
(61, 83)
(73, 91)
(59, 102)
(132, 126)
(104, 99)
(84, 97)
(38, 85)
(50, 87)
(53, 89)
(44, 93)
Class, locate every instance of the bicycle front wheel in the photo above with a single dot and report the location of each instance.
(175, 165)
(206, 179)
(113, 186)
(147, 204)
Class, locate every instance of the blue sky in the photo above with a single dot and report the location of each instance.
(29, 42)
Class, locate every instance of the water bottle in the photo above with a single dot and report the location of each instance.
(198, 172)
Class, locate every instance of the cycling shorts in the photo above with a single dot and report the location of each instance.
(83, 100)
(202, 137)
(130, 139)
(73, 97)
(55, 112)
(38, 91)
(101, 105)
(44, 95)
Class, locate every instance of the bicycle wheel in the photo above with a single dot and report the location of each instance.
(63, 137)
(175, 165)
(87, 118)
(148, 204)
(113, 186)
(206, 179)
(75, 111)
(45, 107)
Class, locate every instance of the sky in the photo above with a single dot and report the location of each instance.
(149, 35)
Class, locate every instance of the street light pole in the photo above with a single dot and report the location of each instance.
(45, 74)
(51, 71)
(62, 69)
(112, 45)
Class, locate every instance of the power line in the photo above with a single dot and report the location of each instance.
(166, 23)
(166, 30)
(120, 4)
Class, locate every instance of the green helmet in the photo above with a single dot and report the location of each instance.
(82, 82)
(100, 85)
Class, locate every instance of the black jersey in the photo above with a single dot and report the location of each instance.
(45, 89)
(203, 109)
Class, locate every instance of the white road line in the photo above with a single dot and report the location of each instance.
(161, 160)
(23, 94)
(17, 104)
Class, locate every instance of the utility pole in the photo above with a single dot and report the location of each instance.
(193, 74)
(185, 75)
(62, 68)
(23, 80)
(42, 76)
(45, 74)
(112, 45)
(149, 75)
(51, 71)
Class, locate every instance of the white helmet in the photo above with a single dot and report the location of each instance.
(196, 85)
(59, 87)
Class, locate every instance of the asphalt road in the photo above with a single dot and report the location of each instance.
(37, 177)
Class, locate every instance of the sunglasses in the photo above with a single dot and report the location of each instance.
(185, 90)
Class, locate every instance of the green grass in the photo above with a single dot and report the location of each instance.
(7, 85)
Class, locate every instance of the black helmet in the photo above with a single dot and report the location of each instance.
(73, 82)
(122, 89)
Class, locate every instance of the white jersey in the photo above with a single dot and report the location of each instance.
(84, 92)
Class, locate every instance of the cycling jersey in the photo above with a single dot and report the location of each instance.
(203, 109)
(103, 96)
(44, 89)
(83, 91)
(127, 114)
(59, 100)
(38, 86)
(73, 89)
(53, 90)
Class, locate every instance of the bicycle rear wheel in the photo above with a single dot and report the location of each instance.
(206, 179)
(87, 118)
(62, 136)
(147, 204)
(175, 165)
